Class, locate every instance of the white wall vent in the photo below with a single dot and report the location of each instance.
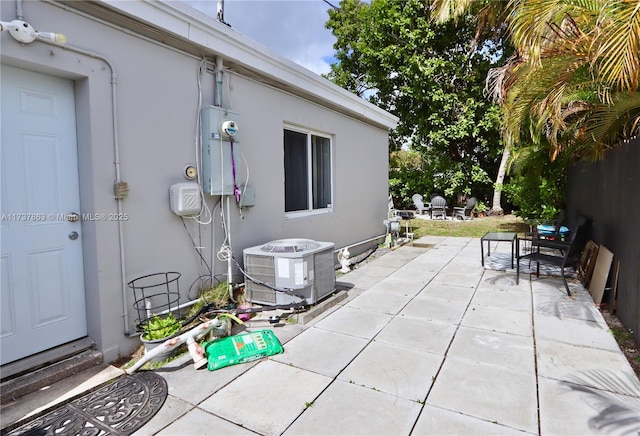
(303, 266)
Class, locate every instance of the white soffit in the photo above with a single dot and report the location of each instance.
(188, 23)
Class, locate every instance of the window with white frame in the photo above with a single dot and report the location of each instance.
(307, 171)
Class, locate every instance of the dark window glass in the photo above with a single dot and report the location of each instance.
(296, 179)
(307, 171)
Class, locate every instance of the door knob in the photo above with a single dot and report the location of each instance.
(73, 217)
(73, 236)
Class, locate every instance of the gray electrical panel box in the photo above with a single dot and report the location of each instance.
(222, 165)
(248, 197)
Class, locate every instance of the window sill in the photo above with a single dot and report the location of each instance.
(307, 213)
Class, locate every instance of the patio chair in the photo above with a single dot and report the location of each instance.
(550, 230)
(438, 207)
(553, 230)
(562, 243)
(547, 230)
(569, 259)
(420, 206)
(466, 211)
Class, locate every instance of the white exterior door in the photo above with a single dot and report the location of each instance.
(42, 282)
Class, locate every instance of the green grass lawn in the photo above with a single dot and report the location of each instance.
(475, 228)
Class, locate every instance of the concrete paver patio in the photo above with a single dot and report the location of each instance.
(427, 342)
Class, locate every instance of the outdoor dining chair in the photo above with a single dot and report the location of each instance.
(570, 257)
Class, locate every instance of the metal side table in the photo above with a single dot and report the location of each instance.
(500, 237)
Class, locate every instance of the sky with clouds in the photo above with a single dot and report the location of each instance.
(292, 28)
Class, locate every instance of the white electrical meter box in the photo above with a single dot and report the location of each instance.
(185, 199)
(222, 165)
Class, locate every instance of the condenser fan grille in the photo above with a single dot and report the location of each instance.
(290, 246)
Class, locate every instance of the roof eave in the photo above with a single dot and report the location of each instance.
(187, 23)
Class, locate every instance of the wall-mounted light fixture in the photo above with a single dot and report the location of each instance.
(24, 33)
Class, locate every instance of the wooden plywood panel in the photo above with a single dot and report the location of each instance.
(588, 262)
(600, 274)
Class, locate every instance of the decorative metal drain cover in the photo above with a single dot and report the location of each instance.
(119, 408)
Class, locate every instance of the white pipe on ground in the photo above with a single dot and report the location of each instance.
(362, 242)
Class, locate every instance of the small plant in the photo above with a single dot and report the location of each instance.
(217, 296)
(621, 334)
(480, 208)
(159, 327)
(308, 404)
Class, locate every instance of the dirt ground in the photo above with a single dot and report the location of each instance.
(625, 340)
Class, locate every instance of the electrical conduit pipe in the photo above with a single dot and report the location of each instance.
(116, 163)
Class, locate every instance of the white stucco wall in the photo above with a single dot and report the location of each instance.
(157, 96)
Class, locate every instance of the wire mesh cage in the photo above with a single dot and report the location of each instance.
(156, 300)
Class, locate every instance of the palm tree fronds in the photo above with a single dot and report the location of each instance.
(616, 55)
(536, 24)
(445, 10)
(573, 80)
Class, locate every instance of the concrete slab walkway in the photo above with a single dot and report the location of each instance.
(427, 342)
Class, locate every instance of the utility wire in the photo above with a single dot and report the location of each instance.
(332, 5)
(194, 245)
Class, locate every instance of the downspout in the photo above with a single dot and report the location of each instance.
(116, 163)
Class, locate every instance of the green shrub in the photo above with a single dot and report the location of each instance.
(537, 187)
(480, 207)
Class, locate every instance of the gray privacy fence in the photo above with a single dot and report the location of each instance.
(608, 192)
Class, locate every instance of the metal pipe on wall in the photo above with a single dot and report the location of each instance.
(230, 257)
(217, 99)
(116, 145)
(116, 157)
(19, 11)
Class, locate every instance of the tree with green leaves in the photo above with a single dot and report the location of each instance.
(573, 80)
(432, 77)
(570, 87)
(489, 19)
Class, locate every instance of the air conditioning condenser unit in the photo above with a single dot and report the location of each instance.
(303, 267)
